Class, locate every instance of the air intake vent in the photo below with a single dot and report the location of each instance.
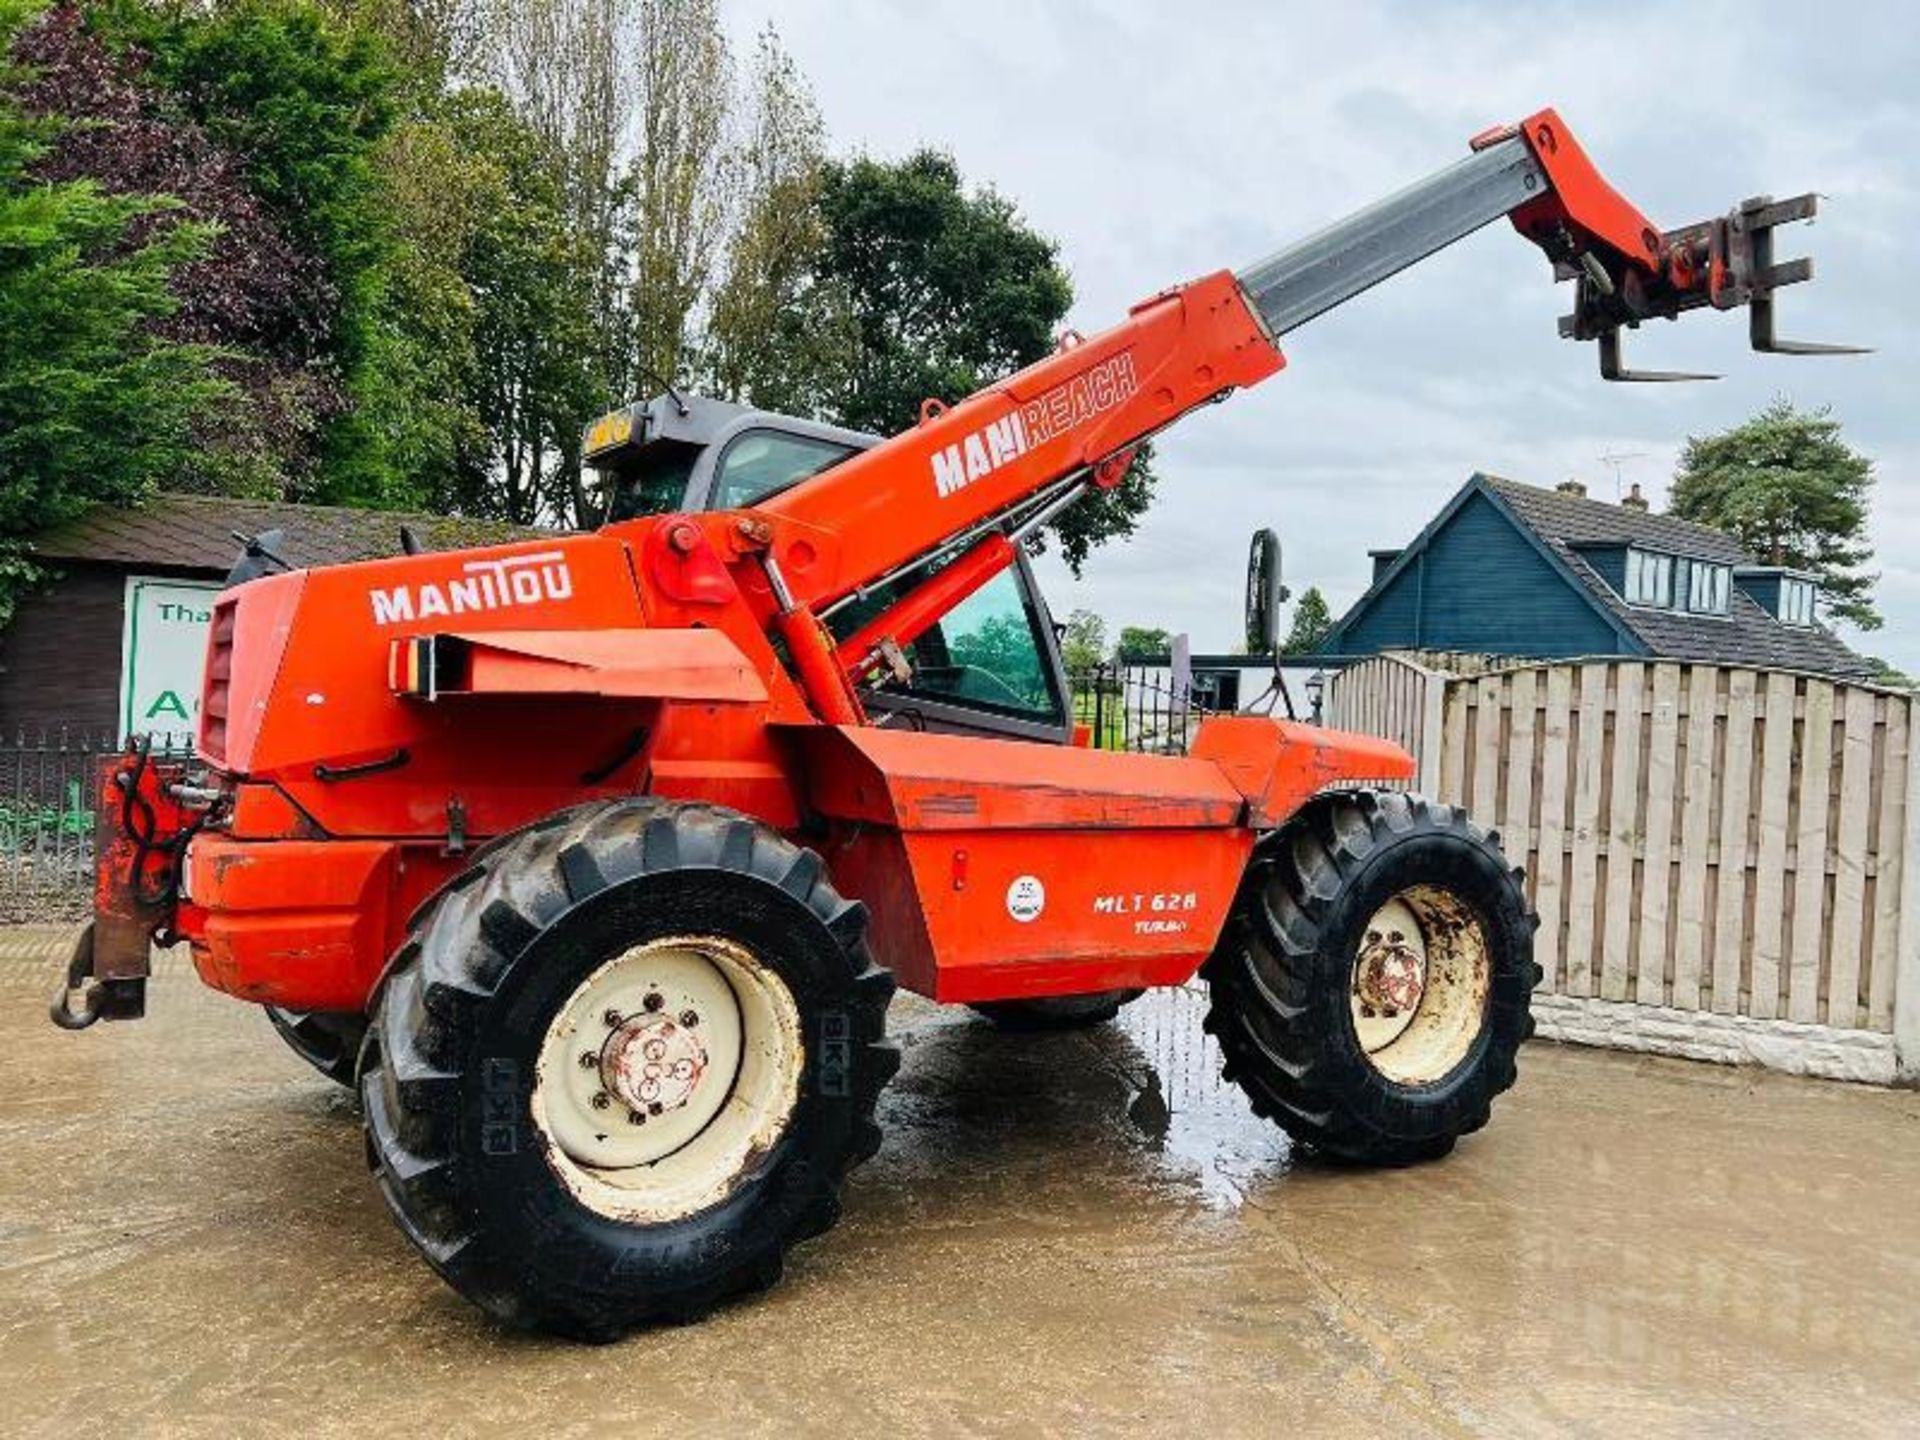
(214, 689)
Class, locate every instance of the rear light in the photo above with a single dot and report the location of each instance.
(216, 687)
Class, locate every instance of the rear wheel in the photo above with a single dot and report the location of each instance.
(1371, 990)
(1056, 1012)
(328, 1040)
(617, 1073)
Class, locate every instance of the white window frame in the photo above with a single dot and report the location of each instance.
(1798, 599)
(1649, 579)
(1709, 587)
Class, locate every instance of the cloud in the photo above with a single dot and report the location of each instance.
(1156, 143)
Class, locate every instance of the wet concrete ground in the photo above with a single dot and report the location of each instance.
(189, 1244)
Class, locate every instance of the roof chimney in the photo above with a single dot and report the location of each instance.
(1575, 488)
(1634, 499)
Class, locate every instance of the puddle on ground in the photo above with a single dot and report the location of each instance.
(1150, 1079)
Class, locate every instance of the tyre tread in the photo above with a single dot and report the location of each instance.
(462, 944)
(1263, 975)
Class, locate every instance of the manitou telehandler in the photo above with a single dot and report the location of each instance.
(594, 861)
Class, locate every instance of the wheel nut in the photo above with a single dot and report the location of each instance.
(689, 1018)
(589, 1060)
(612, 1019)
(601, 1100)
(653, 1001)
(655, 1107)
(635, 1117)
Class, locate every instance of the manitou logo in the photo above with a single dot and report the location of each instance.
(489, 585)
(1069, 404)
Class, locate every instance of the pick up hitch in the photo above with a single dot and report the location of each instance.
(109, 998)
(140, 840)
(1725, 263)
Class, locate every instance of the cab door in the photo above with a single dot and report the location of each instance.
(991, 666)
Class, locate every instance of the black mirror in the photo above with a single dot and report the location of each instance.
(259, 555)
(1264, 593)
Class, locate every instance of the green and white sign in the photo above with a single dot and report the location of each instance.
(163, 654)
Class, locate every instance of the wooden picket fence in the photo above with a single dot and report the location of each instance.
(1700, 839)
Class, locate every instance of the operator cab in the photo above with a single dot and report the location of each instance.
(992, 665)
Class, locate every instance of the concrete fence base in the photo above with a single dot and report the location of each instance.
(1866, 1056)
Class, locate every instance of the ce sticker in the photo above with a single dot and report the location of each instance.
(1026, 898)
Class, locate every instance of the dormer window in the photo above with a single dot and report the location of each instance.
(1796, 602)
(1708, 588)
(1649, 579)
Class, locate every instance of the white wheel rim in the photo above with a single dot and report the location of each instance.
(1422, 974)
(666, 1074)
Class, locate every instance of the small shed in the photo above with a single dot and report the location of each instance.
(112, 642)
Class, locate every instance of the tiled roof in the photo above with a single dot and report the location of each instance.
(1746, 635)
(1574, 520)
(195, 532)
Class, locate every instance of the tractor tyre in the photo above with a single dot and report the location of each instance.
(1371, 989)
(623, 1064)
(328, 1040)
(1056, 1012)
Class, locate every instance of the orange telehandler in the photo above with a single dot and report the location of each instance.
(593, 861)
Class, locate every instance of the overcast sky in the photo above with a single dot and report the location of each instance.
(1158, 142)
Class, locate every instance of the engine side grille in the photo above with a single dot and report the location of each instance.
(214, 689)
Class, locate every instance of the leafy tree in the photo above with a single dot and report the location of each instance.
(1312, 623)
(1107, 514)
(567, 66)
(255, 293)
(635, 105)
(535, 375)
(442, 185)
(939, 292)
(768, 342)
(442, 43)
(423, 242)
(948, 290)
(683, 175)
(1793, 493)
(95, 403)
(306, 97)
(1885, 673)
(1084, 645)
(1001, 647)
(1138, 642)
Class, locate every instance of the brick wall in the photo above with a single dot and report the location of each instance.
(60, 655)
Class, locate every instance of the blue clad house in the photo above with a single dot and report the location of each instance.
(1511, 569)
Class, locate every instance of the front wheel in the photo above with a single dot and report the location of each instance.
(328, 1040)
(1371, 989)
(624, 1067)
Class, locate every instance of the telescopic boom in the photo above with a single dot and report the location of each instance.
(980, 473)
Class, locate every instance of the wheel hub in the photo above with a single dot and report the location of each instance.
(1422, 973)
(1391, 975)
(652, 1064)
(665, 1074)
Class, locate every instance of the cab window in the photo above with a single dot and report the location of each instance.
(985, 653)
(759, 463)
(655, 483)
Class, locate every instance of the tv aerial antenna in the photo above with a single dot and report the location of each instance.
(1614, 459)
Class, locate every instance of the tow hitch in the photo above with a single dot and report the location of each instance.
(146, 815)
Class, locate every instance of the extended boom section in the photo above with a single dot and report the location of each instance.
(1071, 421)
